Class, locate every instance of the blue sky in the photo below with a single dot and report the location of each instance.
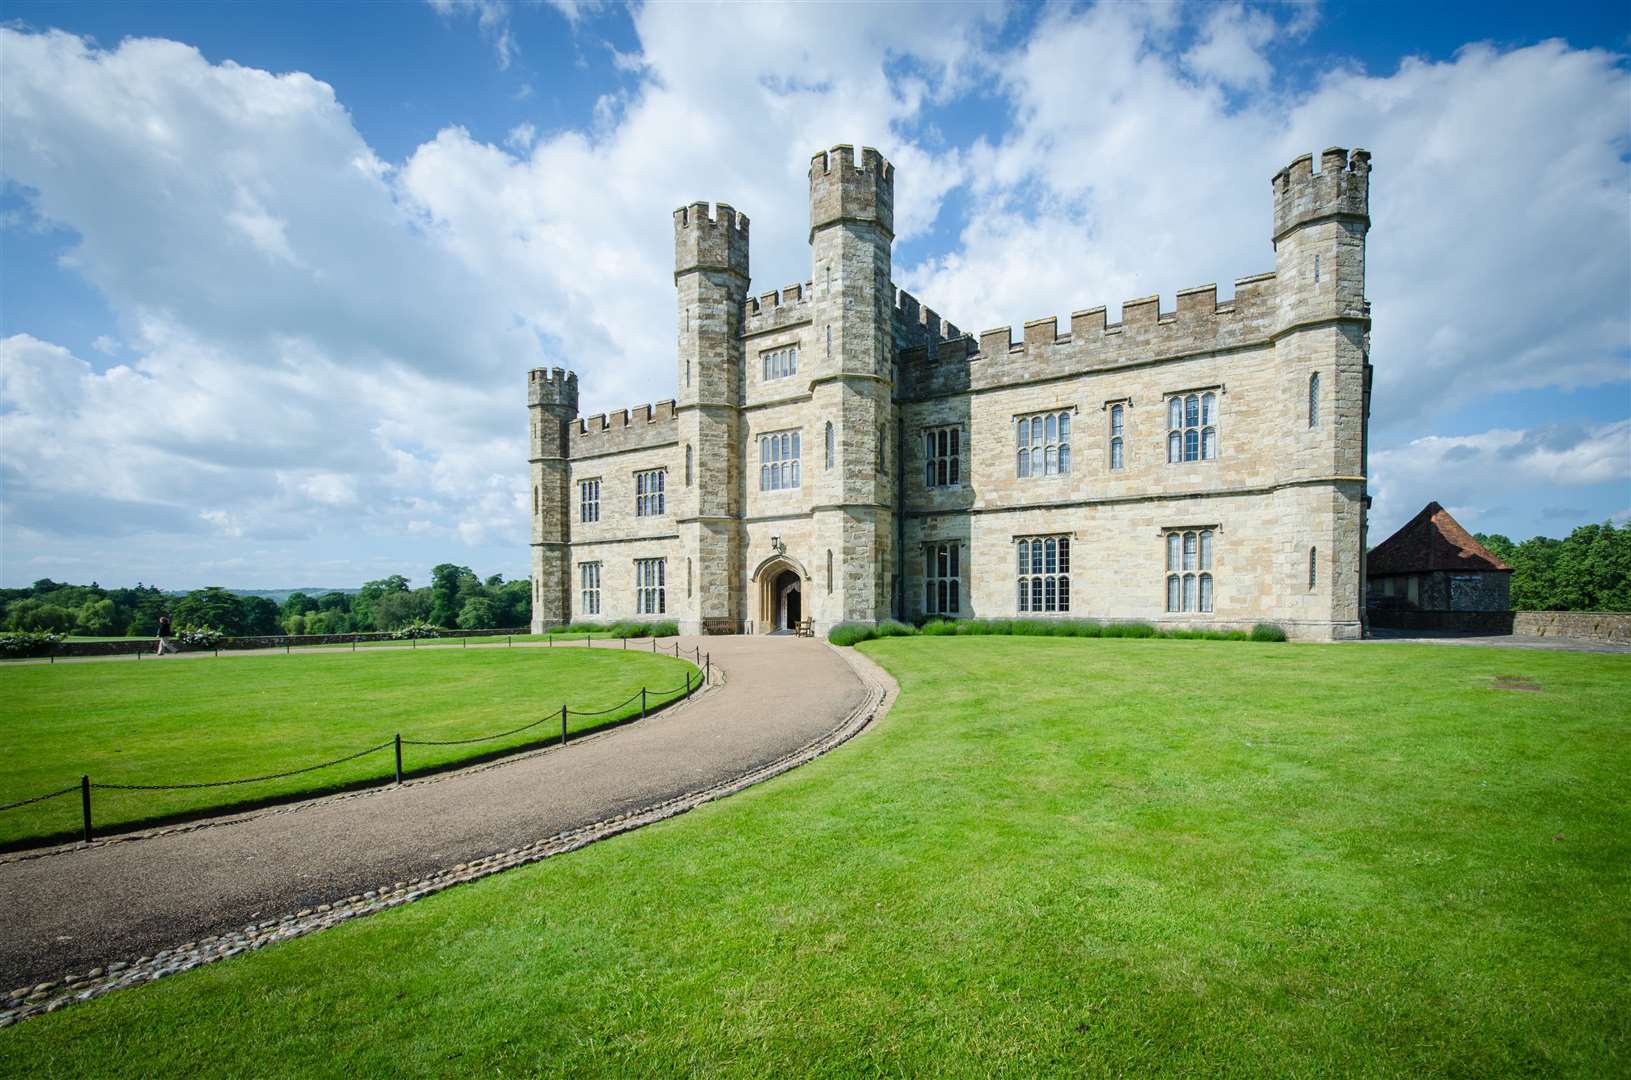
(270, 274)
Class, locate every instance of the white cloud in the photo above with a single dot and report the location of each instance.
(1502, 472)
(492, 18)
(323, 344)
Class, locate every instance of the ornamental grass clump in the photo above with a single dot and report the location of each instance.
(895, 628)
(939, 628)
(851, 633)
(1267, 632)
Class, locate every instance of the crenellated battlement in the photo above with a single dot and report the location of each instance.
(624, 429)
(1145, 333)
(713, 238)
(919, 330)
(843, 188)
(1340, 189)
(774, 310)
(553, 386)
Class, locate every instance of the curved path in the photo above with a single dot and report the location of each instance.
(78, 907)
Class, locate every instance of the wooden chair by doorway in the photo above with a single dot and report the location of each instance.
(807, 628)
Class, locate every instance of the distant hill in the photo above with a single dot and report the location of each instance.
(277, 596)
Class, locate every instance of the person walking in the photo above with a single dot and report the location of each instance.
(164, 634)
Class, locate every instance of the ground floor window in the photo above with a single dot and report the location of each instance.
(1044, 574)
(650, 591)
(589, 583)
(1189, 571)
(942, 579)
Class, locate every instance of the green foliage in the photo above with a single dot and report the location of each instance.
(1267, 632)
(450, 587)
(97, 618)
(478, 613)
(213, 606)
(38, 616)
(199, 637)
(852, 633)
(417, 628)
(625, 629)
(28, 643)
(1588, 571)
(893, 628)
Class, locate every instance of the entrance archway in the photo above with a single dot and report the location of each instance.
(779, 585)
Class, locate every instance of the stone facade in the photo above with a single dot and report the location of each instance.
(851, 531)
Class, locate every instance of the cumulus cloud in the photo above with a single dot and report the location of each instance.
(321, 344)
(1503, 474)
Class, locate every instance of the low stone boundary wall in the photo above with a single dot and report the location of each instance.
(1467, 622)
(128, 646)
(1586, 625)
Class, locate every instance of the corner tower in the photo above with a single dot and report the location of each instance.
(711, 280)
(1322, 351)
(552, 401)
(852, 233)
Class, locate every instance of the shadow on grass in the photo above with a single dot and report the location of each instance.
(241, 806)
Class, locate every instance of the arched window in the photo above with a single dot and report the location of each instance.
(829, 444)
(1313, 567)
(1314, 399)
(1117, 459)
(687, 464)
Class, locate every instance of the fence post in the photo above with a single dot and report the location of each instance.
(353, 644)
(563, 725)
(653, 644)
(625, 643)
(708, 668)
(509, 641)
(466, 640)
(687, 684)
(286, 648)
(413, 642)
(85, 804)
(399, 757)
(642, 703)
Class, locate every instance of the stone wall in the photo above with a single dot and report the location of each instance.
(1586, 625)
(130, 646)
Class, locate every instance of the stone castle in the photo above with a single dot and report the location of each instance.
(839, 452)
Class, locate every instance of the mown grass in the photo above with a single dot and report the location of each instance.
(1055, 857)
(196, 720)
(637, 634)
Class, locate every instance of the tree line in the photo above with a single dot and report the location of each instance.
(1588, 571)
(455, 598)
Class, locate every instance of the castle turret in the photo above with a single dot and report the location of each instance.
(852, 220)
(552, 400)
(711, 280)
(1322, 345)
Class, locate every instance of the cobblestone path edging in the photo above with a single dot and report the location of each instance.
(25, 1002)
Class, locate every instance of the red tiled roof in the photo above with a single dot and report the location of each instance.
(1433, 540)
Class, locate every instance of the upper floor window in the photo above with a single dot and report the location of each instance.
(1314, 399)
(1044, 573)
(589, 500)
(1043, 443)
(589, 584)
(650, 588)
(942, 579)
(780, 363)
(1189, 571)
(1117, 448)
(1192, 432)
(779, 461)
(648, 493)
(829, 444)
(942, 456)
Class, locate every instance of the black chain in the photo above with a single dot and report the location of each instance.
(478, 738)
(601, 712)
(245, 780)
(38, 798)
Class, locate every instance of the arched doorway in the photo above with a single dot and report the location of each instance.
(778, 586)
(788, 600)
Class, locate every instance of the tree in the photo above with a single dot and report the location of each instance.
(1588, 571)
(395, 608)
(97, 618)
(213, 606)
(32, 614)
(450, 586)
(260, 615)
(298, 603)
(478, 613)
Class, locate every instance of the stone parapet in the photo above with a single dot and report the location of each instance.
(643, 426)
(1585, 625)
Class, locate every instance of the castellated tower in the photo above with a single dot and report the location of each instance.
(552, 400)
(1322, 337)
(711, 279)
(852, 223)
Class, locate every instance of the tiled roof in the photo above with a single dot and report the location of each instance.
(1433, 540)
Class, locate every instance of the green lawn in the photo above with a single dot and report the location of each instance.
(1055, 857)
(196, 720)
(565, 639)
